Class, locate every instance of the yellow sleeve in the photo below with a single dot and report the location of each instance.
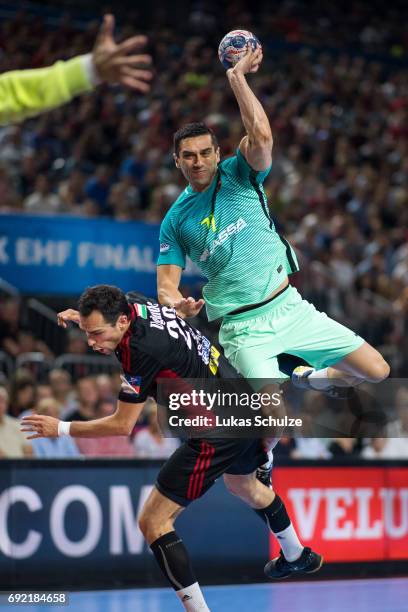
(24, 93)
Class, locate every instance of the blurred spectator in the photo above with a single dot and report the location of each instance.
(26, 342)
(105, 388)
(61, 447)
(9, 325)
(23, 393)
(44, 391)
(150, 442)
(110, 446)
(13, 443)
(343, 447)
(124, 200)
(10, 200)
(15, 338)
(386, 448)
(43, 200)
(76, 343)
(399, 427)
(61, 387)
(310, 448)
(97, 187)
(135, 166)
(85, 406)
(71, 192)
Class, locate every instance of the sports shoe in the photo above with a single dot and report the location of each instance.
(300, 379)
(308, 563)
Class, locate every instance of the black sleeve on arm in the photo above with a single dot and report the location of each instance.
(137, 383)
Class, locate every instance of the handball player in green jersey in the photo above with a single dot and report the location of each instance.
(222, 222)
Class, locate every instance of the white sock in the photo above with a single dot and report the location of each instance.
(267, 465)
(192, 598)
(290, 544)
(319, 379)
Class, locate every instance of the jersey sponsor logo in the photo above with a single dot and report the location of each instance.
(141, 310)
(209, 222)
(131, 384)
(231, 230)
(164, 247)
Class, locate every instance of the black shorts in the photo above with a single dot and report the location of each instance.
(196, 464)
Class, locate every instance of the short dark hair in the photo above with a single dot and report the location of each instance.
(110, 301)
(190, 131)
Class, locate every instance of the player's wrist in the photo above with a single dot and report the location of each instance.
(88, 63)
(64, 428)
(235, 74)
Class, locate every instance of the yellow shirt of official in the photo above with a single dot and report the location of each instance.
(25, 93)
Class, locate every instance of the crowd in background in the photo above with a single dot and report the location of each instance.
(90, 397)
(334, 85)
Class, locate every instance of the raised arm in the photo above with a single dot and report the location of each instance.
(256, 146)
(168, 281)
(25, 93)
(120, 423)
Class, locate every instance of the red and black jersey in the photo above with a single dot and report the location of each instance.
(159, 344)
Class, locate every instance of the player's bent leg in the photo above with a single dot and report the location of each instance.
(339, 356)
(157, 525)
(248, 488)
(294, 557)
(365, 363)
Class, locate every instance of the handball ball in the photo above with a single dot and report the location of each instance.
(234, 45)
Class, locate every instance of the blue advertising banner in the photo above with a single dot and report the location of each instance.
(74, 522)
(64, 254)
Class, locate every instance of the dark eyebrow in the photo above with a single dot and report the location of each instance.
(187, 152)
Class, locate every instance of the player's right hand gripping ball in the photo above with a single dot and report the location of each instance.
(234, 45)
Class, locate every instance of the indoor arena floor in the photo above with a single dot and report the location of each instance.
(374, 595)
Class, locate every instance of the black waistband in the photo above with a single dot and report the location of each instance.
(252, 306)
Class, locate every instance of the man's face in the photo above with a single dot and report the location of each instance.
(103, 337)
(198, 160)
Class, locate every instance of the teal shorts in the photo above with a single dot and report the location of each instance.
(288, 324)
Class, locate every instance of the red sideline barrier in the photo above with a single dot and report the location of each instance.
(347, 513)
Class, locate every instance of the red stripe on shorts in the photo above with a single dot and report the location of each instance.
(200, 469)
(195, 471)
(211, 451)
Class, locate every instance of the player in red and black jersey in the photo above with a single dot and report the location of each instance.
(159, 344)
(152, 342)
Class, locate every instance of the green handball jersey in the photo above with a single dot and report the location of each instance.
(228, 233)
